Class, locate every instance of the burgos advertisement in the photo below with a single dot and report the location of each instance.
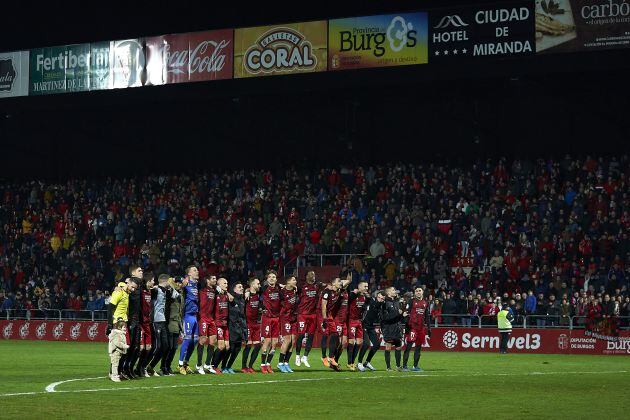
(378, 41)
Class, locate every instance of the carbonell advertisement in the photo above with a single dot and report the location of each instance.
(582, 25)
(377, 41)
(280, 49)
(189, 57)
(492, 31)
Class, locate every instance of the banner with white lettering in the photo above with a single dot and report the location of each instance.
(127, 63)
(582, 25)
(59, 69)
(281, 49)
(52, 330)
(535, 340)
(13, 74)
(190, 57)
(487, 31)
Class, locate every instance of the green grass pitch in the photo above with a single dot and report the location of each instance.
(454, 385)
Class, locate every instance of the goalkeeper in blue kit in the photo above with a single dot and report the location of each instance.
(190, 288)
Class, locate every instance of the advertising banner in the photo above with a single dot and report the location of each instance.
(59, 69)
(127, 62)
(13, 74)
(492, 31)
(190, 57)
(582, 25)
(54, 330)
(377, 41)
(280, 49)
(99, 66)
(544, 341)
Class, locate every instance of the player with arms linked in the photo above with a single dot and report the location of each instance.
(190, 290)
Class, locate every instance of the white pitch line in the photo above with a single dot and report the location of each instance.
(52, 387)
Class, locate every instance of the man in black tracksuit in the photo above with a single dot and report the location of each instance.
(160, 297)
(135, 308)
(391, 328)
(371, 341)
(237, 324)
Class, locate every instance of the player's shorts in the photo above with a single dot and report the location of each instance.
(253, 332)
(145, 334)
(269, 328)
(331, 328)
(287, 327)
(415, 336)
(341, 328)
(223, 333)
(307, 324)
(207, 327)
(190, 326)
(355, 330)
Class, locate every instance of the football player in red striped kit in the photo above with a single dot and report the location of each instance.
(207, 326)
(310, 294)
(252, 311)
(356, 307)
(330, 304)
(288, 323)
(221, 316)
(270, 322)
(419, 326)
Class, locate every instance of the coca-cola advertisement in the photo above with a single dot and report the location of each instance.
(190, 57)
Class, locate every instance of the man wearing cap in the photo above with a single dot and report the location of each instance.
(504, 322)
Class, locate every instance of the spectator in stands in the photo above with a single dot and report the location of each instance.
(449, 307)
(377, 249)
(436, 312)
(555, 226)
(542, 310)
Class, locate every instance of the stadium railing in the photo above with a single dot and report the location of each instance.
(458, 320)
(318, 260)
(581, 321)
(56, 314)
(547, 321)
(29, 314)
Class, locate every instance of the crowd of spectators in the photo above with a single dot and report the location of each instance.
(551, 234)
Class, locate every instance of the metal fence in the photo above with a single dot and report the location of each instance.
(319, 260)
(53, 314)
(527, 321)
(445, 320)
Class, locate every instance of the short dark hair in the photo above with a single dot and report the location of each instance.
(132, 268)
(147, 277)
(190, 267)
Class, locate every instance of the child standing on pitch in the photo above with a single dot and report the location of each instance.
(117, 347)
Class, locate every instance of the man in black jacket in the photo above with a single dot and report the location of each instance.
(371, 340)
(237, 325)
(391, 315)
(160, 322)
(135, 306)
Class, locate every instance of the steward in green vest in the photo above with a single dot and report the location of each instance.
(504, 323)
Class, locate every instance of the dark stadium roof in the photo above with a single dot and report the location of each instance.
(542, 105)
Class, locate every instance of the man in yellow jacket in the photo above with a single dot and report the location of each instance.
(504, 322)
